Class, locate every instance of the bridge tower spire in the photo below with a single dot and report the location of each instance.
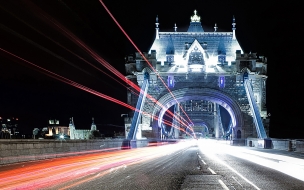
(233, 27)
(215, 27)
(157, 29)
(93, 126)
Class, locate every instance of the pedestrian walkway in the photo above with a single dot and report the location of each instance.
(279, 152)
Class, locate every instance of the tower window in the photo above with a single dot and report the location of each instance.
(170, 81)
(221, 82)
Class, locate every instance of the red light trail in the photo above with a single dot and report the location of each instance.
(81, 44)
(72, 83)
(64, 173)
(99, 59)
(138, 50)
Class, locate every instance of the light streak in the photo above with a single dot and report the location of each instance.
(112, 69)
(62, 172)
(138, 50)
(293, 167)
(97, 58)
(72, 83)
(60, 45)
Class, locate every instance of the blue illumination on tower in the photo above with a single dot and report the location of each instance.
(170, 81)
(222, 58)
(221, 81)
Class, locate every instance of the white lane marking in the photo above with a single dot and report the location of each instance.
(199, 156)
(211, 154)
(236, 172)
(203, 161)
(237, 181)
(223, 184)
(211, 171)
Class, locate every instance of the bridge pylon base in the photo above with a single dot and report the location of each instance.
(128, 144)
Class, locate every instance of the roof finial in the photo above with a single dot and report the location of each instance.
(195, 18)
(175, 27)
(233, 27)
(92, 119)
(215, 27)
(157, 29)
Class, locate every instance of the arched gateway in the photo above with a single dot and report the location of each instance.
(207, 94)
(206, 72)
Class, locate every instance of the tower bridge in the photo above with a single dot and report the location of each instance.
(206, 71)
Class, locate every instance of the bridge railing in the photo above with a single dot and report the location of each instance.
(22, 150)
(296, 145)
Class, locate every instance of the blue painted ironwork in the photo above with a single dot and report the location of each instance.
(255, 110)
(170, 81)
(221, 81)
(139, 106)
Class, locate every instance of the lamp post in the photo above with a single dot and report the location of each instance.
(124, 115)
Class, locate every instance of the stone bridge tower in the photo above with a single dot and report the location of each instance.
(205, 72)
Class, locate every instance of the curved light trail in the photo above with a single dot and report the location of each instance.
(64, 173)
(138, 50)
(72, 83)
(74, 39)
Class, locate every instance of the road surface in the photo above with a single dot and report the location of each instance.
(202, 164)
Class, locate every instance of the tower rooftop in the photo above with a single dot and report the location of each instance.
(195, 24)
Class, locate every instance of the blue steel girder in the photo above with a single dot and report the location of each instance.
(255, 110)
(139, 106)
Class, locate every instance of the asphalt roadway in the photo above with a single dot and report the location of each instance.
(204, 164)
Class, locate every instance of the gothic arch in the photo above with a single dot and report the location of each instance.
(209, 94)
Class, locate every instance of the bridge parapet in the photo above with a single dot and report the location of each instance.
(296, 145)
(14, 150)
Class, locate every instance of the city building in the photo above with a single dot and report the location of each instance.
(54, 128)
(81, 133)
(9, 128)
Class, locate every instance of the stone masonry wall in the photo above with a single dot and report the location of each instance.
(15, 150)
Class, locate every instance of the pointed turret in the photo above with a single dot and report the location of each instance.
(157, 29)
(72, 128)
(215, 27)
(93, 126)
(233, 27)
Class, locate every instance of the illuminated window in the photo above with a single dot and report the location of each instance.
(170, 81)
(170, 58)
(222, 58)
(221, 82)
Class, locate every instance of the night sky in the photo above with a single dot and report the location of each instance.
(271, 29)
